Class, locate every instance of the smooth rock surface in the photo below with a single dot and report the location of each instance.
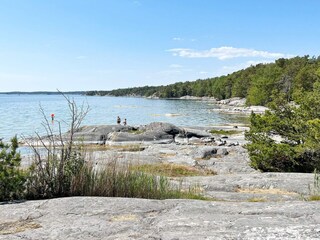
(121, 218)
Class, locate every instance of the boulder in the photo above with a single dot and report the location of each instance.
(189, 133)
(222, 151)
(204, 152)
(162, 127)
(98, 133)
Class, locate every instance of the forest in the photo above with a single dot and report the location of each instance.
(259, 84)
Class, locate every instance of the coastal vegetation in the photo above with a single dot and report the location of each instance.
(224, 132)
(173, 170)
(12, 178)
(259, 84)
(314, 189)
(287, 137)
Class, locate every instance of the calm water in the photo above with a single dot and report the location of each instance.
(20, 114)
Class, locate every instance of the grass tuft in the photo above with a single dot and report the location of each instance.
(224, 132)
(119, 180)
(314, 198)
(120, 148)
(256, 199)
(136, 131)
(172, 170)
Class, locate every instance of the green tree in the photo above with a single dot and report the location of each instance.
(298, 127)
(12, 178)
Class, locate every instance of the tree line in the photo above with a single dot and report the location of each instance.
(259, 84)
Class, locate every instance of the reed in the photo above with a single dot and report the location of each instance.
(123, 180)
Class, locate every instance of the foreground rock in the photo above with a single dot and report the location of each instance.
(120, 218)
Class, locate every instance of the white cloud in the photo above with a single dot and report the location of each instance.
(253, 63)
(177, 39)
(203, 72)
(223, 53)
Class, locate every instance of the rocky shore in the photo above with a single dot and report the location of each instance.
(234, 105)
(246, 204)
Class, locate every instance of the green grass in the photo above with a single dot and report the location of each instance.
(314, 198)
(256, 199)
(224, 132)
(119, 148)
(118, 180)
(136, 131)
(172, 170)
(82, 177)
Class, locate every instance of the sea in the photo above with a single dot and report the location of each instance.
(21, 115)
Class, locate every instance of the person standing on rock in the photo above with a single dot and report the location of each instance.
(118, 120)
(125, 122)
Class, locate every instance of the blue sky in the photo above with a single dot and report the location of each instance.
(102, 45)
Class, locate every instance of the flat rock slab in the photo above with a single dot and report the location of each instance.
(267, 186)
(120, 218)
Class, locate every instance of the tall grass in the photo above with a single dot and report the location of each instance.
(122, 180)
(315, 189)
(113, 179)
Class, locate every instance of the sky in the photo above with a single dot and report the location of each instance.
(80, 45)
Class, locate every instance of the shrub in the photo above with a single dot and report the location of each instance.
(12, 179)
(298, 127)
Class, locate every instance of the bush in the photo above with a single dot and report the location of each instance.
(298, 127)
(12, 179)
